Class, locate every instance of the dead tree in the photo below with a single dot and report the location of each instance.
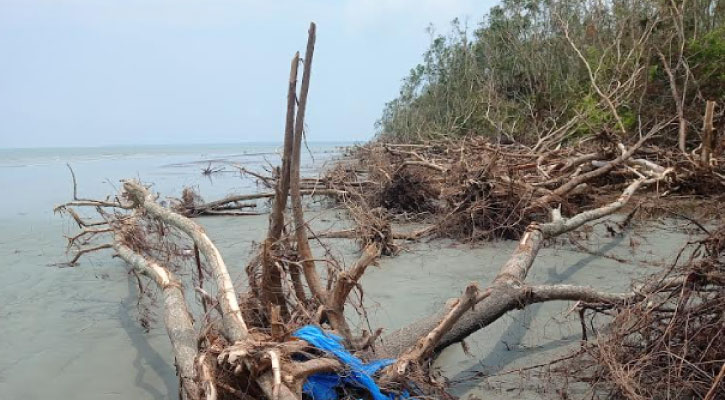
(508, 290)
(709, 140)
(248, 350)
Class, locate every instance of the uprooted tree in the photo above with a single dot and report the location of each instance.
(232, 344)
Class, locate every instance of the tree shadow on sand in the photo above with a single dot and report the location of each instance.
(506, 350)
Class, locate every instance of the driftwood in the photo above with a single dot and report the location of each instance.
(412, 346)
(225, 205)
(507, 291)
(177, 317)
(529, 195)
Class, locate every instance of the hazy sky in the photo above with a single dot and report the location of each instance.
(100, 72)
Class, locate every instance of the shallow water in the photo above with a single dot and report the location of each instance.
(73, 332)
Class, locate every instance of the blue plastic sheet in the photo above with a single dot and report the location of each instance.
(323, 386)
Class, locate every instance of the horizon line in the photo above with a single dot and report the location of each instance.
(262, 142)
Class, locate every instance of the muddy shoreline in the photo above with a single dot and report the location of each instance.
(79, 332)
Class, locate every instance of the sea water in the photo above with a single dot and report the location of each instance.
(73, 333)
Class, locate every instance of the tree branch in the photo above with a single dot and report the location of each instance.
(507, 291)
(234, 326)
(346, 281)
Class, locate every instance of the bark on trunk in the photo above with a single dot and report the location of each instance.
(272, 292)
(303, 246)
(177, 319)
(234, 326)
(707, 134)
(507, 291)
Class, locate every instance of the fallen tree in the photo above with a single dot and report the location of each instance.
(250, 345)
(671, 343)
(480, 190)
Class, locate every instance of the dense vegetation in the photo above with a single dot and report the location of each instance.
(544, 72)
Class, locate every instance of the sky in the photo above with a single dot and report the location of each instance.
(125, 72)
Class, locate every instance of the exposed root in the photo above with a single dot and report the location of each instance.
(472, 189)
(672, 344)
(665, 341)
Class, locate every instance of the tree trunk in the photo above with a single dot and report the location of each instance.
(507, 291)
(272, 292)
(303, 246)
(708, 142)
(177, 319)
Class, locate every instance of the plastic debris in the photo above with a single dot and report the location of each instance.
(323, 386)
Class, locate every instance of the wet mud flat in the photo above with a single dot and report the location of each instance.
(77, 329)
(75, 332)
(421, 279)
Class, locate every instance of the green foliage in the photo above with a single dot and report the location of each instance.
(595, 117)
(517, 74)
(629, 118)
(655, 72)
(706, 56)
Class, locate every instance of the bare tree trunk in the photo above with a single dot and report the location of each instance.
(224, 204)
(280, 201)
(681, 121)
(177, 319)
(708, 142)
(303, 246)
(507, 291)
(346, 281)
(234, 326)
(272, 292)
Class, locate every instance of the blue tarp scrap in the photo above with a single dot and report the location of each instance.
(322, 386)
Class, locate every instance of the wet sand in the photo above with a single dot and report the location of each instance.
(419, 282)
(73, 332)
